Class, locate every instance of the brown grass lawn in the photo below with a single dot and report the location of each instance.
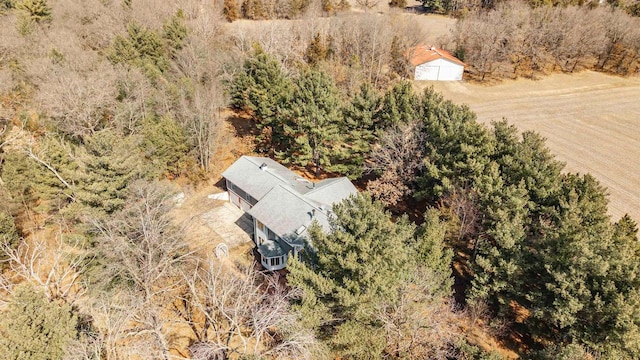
(591, 122)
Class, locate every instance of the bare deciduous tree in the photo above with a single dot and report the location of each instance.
(242, 314)
(398, 158)
(545, 38)
(144, 252)
(367, 4)
(79, 101)
(419, 325)
(461, 203)
(55, 268)
(142, 245)
(201, 118)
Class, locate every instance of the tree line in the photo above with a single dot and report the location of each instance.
(514, 39)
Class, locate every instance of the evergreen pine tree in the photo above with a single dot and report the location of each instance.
(457, 148)
(357, 129)
(165, 144)
(369, 267)
(109, 164)
(360, 264)
(433, 255)
(174, 32)
(142, 47)
(399, 106)
(317, 50)
(314, 115)
(264, 90)
(31, 179)
(34, 328)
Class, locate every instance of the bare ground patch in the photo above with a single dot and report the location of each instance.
(591, 122)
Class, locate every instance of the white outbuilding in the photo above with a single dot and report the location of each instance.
(431, 63)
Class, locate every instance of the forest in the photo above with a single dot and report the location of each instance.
(108, 109)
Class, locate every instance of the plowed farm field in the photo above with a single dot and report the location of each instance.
(591, 122)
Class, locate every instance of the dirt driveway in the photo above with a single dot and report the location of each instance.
(591, 122)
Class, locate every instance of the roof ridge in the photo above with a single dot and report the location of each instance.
(336, 180)
(303, 198)
(249, 158)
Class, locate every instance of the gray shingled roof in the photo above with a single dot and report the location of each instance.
(247, 175)
(283, 211)
(331, 191)
(272, 248)
(285, 205)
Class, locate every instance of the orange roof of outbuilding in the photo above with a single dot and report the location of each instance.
(423, 53)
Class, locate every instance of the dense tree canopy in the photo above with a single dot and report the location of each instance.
(35, 327)
(367, 263)
(102, 105)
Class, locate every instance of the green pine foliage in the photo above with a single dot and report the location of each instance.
(358, 131)
(399, 105)
(35, 328)
(264, 90)
(360, 264)
(165, 145)
(32, 12)
(44, 180)
(542, 239)
(457, 148)
(144, 48)
(433, 254)
(174, 33)
(314, 114)
(368, 262)
(585, 291)
(110, 164)
(527, 160)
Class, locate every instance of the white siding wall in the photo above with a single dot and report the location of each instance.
(440, 69)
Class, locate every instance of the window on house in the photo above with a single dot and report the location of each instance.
(260, 225)
(275, 261)
(260, 240)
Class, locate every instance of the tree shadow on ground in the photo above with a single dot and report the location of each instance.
(242, 124)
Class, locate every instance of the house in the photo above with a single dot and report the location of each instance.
(431, 63)
(282, 205)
